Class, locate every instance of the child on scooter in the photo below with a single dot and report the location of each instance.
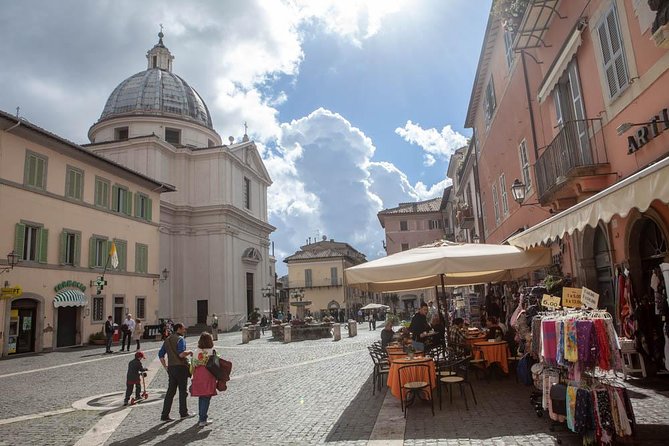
(133, 378)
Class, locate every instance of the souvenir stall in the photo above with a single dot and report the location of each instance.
(577, 349)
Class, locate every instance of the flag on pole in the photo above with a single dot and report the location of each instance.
(113, 255)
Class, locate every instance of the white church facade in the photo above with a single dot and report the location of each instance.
(214, 230)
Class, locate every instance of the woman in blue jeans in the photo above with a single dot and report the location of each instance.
(203, 382)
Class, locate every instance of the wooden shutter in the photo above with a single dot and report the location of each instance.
(91, 252)
(149, 209)
(19, 239)
(63, 248)
(128, 203)
(77, 249)
(43, 235)
(40, 172)
(122, 252)
(138, 258)
(613, 54)
(115, 198)
(137, 207)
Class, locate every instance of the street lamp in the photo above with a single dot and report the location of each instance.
(518, 193)
(297, 294)
(268, 293)
(165, 273)
(12, 261)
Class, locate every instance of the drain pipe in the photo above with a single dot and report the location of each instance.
(529, 105)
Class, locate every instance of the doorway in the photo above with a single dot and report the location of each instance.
(23, 318)
(119, 309)
(67, 326)
(202, 311)
(249, 293)
(604, 274)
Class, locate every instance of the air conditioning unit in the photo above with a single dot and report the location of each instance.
(661, 37)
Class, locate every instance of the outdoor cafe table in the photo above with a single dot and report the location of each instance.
(473, 340)
(393, 374)
(497, 351)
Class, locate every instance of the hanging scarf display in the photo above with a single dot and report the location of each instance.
(584, 341)
(570, 348)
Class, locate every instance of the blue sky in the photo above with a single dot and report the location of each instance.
(355, 105)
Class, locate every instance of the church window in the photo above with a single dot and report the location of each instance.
(173, 136)
(155, 61)
(247, 193)
(121, 133)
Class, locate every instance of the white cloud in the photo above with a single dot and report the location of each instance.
(433, 142)
(428, 160)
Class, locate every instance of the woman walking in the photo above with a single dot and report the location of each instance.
(137, 332)
(203, 382)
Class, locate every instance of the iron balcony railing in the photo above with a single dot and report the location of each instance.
(579, 144)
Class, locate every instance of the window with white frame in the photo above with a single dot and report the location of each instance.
(30, 242)
(142, 206)
(495, 203)
(525, 165)
(502, 191)
(70, 247)
(98, 311)
(613, 53)
(98, 251)
(121, 199)
(508, 47)
(489, 103)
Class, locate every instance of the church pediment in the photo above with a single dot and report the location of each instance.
(251, 255)
(249, 156)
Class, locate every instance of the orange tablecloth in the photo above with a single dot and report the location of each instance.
(393, 374)
(472, 341)
(394, 354)
(493, 352)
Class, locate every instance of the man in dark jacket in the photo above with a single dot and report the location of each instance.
(419, 327)
(135, 367)
(109, 332)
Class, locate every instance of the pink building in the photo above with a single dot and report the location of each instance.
(571, 100)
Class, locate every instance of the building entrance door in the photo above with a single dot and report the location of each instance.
(67, 326)
(22, 326)
(249, 293)
(202, 311)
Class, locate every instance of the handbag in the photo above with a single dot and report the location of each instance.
(226, 367)
(214, 367)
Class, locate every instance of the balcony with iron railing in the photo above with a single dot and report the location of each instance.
(316, 283)
(578, 151)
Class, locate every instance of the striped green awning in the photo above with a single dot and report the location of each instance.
(69, 298)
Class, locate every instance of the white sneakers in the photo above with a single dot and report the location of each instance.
(204, 423)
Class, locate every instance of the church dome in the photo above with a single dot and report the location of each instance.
(157, 92)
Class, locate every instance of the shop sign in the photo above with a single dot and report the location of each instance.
(656, 125)
(10, 292)
(69, 284)
(571, 297)
(590, 298)
(550, 301)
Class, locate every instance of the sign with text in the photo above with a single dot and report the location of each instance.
(571, 297)
(589, 298)
(550, 301)
(9, 292)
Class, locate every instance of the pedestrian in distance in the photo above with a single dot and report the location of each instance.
(204, 382)
(127, 328)
(109, 333)
(263, 323)
(137, 332)
(135, 368)
(178, 371)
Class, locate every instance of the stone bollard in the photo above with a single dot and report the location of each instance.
(245, 335)
(336, 330)
(286, 334)
(352, 328)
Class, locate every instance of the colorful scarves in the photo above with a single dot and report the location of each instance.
(549, 344)
(570, 349)
(571, 407)
(603, 351)
(585, 342)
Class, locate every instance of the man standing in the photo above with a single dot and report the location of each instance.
(177, 371)
(129, 324)
(419, 327)
(109, 332)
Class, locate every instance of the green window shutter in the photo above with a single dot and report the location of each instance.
(105, 195)
(63, 247)
(39, 176)
(68, 183)
(97, 194)
(122, 248)
(138, 258)
(77, 249)
(115, 198)
(19, 239)
(149, 209)
(137, 198)
(91, 252)
(26, 170)
(145, 259)
(128, 203)
(43, 244)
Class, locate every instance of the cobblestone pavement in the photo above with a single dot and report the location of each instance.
(310, 392)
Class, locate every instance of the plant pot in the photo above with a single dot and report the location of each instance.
(98, 341)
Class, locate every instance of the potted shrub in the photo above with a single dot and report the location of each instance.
(98, 338)
(254, 316)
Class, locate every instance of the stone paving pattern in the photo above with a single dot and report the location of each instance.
(310, 392)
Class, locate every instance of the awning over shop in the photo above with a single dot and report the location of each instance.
(636, 191)
(69, 298)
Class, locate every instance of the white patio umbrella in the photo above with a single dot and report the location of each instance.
(456, 263)
(374, 306)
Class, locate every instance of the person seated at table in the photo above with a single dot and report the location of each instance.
(419, 327)
(387, 334)
(494, 331)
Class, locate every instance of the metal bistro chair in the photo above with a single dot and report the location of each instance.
(381, 368)
(410, 387)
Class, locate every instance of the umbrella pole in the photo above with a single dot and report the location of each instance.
(443, 290)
